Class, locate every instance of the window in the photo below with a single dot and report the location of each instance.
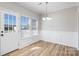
(24, 23)
(9, 22)
(34, 24)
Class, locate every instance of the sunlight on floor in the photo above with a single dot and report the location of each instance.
(35, 48)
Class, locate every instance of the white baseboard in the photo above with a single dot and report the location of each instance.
(27, 42)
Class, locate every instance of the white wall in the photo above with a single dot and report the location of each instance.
(20, 10)
(62, 29)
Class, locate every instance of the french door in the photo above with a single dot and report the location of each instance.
(8, 32)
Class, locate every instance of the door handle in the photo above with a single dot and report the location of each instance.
(2, 35)
(1, 31)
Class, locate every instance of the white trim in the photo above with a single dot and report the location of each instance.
(61, 37)
(25, 43)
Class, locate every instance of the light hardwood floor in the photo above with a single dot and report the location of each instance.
(42, 48)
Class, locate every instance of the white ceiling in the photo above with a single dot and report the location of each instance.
(52, 6)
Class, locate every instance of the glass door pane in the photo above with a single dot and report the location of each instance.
(6, 22)
(10, 23)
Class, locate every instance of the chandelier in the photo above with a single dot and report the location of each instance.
(46, 12)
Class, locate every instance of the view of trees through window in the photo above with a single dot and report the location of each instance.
(24, 23)
(9, 22)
